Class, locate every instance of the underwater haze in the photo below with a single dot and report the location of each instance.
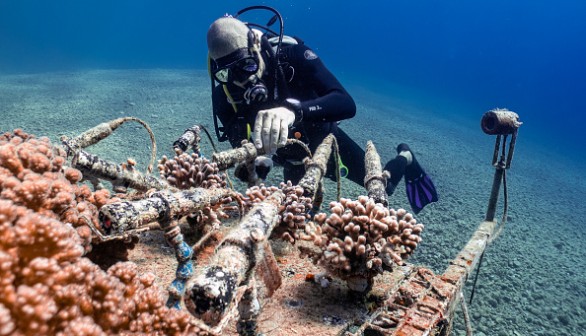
(421, 72)
(458, 56)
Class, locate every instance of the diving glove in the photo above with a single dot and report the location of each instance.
(271, 128)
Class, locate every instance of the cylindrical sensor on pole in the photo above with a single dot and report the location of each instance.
(500, 121)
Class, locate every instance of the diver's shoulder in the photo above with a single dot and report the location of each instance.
(302, 52)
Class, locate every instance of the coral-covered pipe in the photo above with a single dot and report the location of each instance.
(316, 168)
(375, 180)
(229, 158)
(123, 216)
(92, 166)
(213, 289)
(102, 131)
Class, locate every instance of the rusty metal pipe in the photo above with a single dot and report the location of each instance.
(189, 139)
(229, 158)
(92, 166)
(120, 217)
(102, 131)
(375, 180)
(316, 167)
(213, 290)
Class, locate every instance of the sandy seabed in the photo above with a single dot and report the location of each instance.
(533, 278)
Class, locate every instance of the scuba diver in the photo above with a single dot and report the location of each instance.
(268, 87)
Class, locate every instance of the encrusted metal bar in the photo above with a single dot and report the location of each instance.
(92, 166)
(431, 300)
(375, 180)
(424, 303)
(229, 158)
(91, 136)
(469, 256)
(248, 311)
(316, 167)
(214, 288)
(102, 131)
(119, 217)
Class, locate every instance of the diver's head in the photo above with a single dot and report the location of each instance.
(235, 49)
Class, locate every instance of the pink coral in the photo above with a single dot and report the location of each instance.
(257, 194)
(293, 213)
(186, 171)
(33, 175)
(47, 287)
(362, 238)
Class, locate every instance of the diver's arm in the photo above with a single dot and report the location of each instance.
(333, 102)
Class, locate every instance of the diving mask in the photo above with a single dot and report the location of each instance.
(244, 68)
(239, 69)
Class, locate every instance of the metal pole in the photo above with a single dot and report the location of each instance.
(374, 181)
(494, 193)
(317, 166)
(214, 289)
(92, 166)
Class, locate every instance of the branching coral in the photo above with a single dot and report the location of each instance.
(361, 239)
(33, 175)
(186, 171)
(191, 171)
(257, 194)
(46, 286)
(293, 212)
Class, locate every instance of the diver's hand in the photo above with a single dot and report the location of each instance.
(271, 128)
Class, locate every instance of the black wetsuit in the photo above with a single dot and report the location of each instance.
(323, 99)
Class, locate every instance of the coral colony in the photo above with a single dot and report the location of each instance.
(360, 239)
(46, 285)
(52, 226)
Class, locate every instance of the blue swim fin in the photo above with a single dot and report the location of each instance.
(419, 187)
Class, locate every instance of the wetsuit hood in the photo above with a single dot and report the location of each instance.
(225, 36)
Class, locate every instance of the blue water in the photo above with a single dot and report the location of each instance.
(527, 56)
(456, 59)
